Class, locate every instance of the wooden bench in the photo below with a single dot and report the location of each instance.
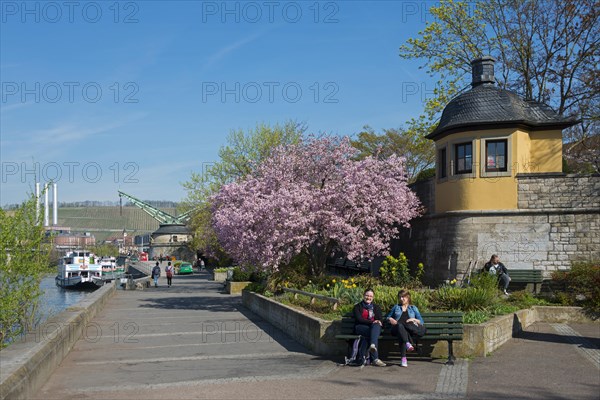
(441, 326)
(526, 276)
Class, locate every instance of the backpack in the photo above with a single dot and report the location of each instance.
(357, 353)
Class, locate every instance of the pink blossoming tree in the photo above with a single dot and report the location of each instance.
(314, 197)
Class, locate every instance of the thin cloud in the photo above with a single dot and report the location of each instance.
(12, 107)
(222, 53)
(56, 140)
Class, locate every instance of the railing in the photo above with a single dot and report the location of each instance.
(335, 302)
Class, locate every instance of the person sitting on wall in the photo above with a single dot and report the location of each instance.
(495, 267)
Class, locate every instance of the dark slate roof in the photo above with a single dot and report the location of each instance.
(486, 106)
(170, 229)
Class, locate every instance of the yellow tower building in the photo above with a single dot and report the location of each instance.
(486, 136)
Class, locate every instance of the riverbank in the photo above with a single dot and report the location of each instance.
(28, 363)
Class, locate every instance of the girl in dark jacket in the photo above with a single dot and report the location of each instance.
(368, 324)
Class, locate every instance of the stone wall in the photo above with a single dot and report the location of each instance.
(558, 191)
(536, 236)
(27, 364)
(425, 190)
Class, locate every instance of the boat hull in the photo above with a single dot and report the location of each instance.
(76, 282)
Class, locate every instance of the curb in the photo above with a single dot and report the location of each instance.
(27, 364)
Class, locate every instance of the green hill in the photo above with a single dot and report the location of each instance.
(105, 221)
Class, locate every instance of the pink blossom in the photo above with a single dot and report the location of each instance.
(314, 197)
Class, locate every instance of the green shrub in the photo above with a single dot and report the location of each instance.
(502, 308)
(476, 317)
(256, 287)
(395, 271)
(365, 281)
(295, 274)
(582, 284)
(484, 280)
(240, 275)
(468, 299)
(386, 297)
(525, 299)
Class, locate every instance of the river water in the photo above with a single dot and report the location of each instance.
(56, 299)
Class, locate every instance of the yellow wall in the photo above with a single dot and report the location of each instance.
(546, 151)
(535, 152)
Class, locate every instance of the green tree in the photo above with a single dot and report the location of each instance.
(547, 51)
(105, 250)
(409, 143)
(23, 260)
(240, 156)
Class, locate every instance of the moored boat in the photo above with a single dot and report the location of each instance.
(110, 269)
(79, 269)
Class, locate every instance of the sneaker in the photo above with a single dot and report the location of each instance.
(379, 363)
(404, 363)
(372, 349)
(409, 347)
(506, 293)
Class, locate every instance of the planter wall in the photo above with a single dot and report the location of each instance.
(314, 333)
(219, 276)
(478, 340)
(236, 287)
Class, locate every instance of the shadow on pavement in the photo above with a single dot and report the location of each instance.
(582, 341)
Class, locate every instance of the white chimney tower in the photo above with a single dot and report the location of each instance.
(46, 206)
(54, 205)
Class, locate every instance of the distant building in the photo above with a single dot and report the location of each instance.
(73, 241)
(171, 240)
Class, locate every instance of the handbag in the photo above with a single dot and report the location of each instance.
(416, 330)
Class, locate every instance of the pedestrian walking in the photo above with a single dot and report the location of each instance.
(169, 273)
(156, 274)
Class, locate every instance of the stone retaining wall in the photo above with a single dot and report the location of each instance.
(315, 334)
(478, 340)
(27, 364)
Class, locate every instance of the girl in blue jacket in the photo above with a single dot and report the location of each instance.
(406, 320)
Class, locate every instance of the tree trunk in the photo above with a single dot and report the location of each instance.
(317, 254)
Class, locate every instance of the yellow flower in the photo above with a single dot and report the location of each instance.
(328, 285)
(354, 285)
(352, 279)
(333, 280)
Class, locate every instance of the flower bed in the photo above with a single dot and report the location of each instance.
(318, 335)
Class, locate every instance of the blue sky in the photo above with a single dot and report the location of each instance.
(104, 96)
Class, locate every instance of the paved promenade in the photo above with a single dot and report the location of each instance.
(190, 341)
